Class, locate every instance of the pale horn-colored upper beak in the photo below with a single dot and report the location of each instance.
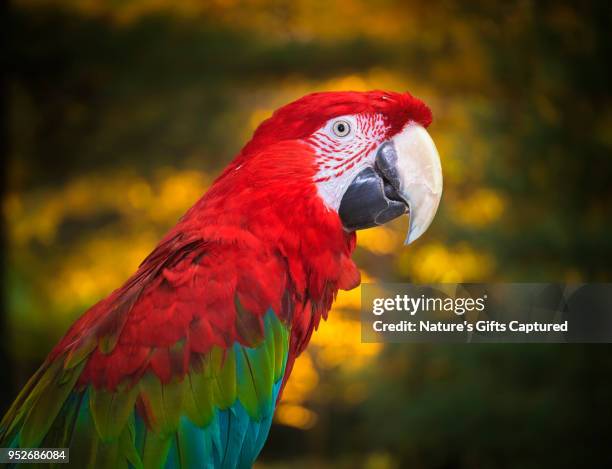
(420, 177)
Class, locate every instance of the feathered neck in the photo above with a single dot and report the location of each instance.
(269, 204)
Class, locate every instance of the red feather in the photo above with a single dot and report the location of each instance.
(260, 238)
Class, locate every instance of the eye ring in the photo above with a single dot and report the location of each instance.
(341, 128)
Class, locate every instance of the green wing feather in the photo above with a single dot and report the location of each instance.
(151, 423)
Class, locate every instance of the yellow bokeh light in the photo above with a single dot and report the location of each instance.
(306, 379)
(295, 416)
(379, 240)
(436, 262)
(482, 207)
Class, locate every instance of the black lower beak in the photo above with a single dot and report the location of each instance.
(371, 199)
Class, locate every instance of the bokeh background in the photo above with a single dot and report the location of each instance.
(117, 115)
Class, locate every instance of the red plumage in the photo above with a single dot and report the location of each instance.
(260, 238)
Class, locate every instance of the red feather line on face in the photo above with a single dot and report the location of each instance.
(370, 131)
(303, 117)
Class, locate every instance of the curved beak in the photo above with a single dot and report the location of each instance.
(406, 178)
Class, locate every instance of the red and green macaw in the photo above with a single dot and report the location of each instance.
(183, 365)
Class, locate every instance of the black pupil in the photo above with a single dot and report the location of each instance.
(341, 128)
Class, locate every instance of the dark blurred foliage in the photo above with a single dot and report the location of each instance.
(119, 114)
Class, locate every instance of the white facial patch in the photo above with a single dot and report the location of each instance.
(341, 156)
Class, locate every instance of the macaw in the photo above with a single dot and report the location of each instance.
(184, 364)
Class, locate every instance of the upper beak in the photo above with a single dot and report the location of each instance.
(406, 177)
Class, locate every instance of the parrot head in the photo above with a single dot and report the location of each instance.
(370, 157)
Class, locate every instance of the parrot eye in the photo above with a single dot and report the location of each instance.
(341, 128)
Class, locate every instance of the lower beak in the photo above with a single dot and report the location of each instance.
(406, 178)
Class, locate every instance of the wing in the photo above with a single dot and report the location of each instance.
(181, 367)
